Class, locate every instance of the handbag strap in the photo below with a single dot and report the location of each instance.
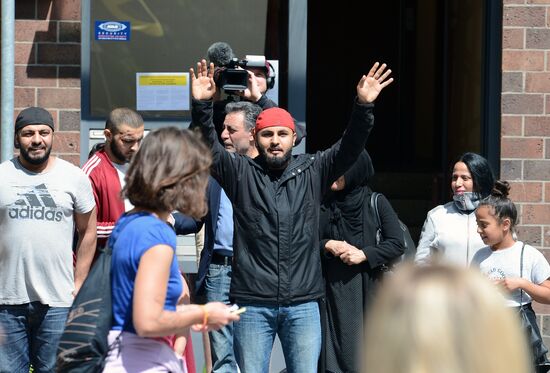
(521, 275)
(374, 205)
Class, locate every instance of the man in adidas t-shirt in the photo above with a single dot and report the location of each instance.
(107, 167)
(42, 199)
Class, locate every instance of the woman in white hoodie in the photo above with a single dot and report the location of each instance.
(449, 234)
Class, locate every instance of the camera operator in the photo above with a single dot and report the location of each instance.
(260, 80)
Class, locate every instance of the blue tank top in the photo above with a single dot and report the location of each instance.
(132, 236)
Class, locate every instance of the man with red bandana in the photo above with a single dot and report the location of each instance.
(276, 200)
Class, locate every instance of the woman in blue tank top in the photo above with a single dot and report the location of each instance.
(168, 173)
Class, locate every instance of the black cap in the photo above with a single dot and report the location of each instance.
(33, 115)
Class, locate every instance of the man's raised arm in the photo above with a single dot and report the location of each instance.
(203, 89)
(343, 154)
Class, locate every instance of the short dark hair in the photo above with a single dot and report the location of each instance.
(123, 115)
(250, 112)
(170, 172)
(480, 169)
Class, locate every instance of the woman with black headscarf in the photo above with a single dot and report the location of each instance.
(352, 262)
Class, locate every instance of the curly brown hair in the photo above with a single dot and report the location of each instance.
(170, 172)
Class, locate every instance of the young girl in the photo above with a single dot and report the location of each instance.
(520, 269)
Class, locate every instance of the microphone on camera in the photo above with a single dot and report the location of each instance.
(220, 53)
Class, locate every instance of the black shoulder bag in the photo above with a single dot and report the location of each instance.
(529, 324)
(83, 345)
(410, 247)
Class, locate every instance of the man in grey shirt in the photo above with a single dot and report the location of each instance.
(42, 199)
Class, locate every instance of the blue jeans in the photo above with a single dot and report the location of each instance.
(30, 334)
(217, 282)
(298, 327)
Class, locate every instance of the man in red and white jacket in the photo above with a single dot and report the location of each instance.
(106, 168)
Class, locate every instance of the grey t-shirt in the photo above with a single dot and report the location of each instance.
(505, 263)
(36, 225)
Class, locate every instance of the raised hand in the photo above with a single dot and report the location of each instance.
(373, 83)
(252, 93)
(202, 84)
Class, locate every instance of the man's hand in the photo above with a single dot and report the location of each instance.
(202, 85)
(252, 93)
(373, 83)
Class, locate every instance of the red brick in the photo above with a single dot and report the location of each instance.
(25, 9)
(59, 54)
(69, 32)
(36, 76)
(59, 9)
(536, 170)
(66, 142)
(24, 97)
(69, 76)
(547, 192)
(538, 1)
(537, 82)
(526, 191)
(530, 234)
(69, 120)
(512, 82)
(529, 16)
(522, 60)
(31, 30)
(25, 54)
(547, 104)
(511, 170)
(537, 39)
(536, 214)
(517, 147)
(510, 125)
(537, 126)
(547, 237)
(522, 103)
(547, 146)
(62, 98)
(513, 38)
(71, 158)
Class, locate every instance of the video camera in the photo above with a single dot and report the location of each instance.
(232, 77)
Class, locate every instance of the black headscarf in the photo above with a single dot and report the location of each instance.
(346, 206)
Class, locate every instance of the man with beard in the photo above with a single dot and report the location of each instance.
(106, 168)
(42, 199)
(276, 200)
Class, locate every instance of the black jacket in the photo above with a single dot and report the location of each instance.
(276, 257)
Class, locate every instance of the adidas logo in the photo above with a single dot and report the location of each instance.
(37, 204)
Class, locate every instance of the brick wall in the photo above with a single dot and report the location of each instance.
(525, 146)
(47, 66)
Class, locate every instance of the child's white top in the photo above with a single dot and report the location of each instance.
(505, 263)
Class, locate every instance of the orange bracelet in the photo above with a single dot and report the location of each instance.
(205, 316)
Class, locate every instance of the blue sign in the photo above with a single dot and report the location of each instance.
(112, 30)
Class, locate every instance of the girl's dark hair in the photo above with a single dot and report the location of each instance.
(480, 169)
(170, 172)
(501, 205)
